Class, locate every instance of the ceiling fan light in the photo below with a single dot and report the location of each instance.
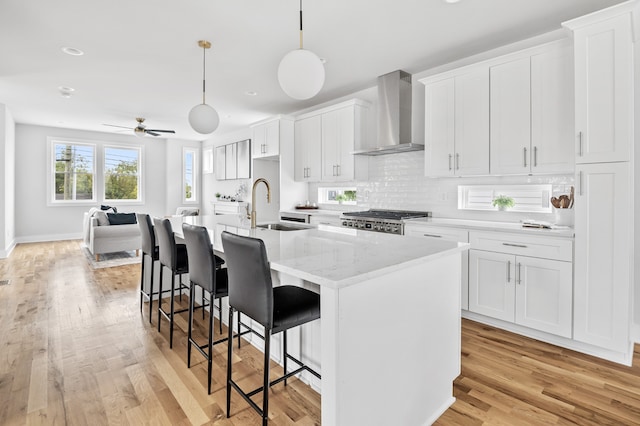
(139, 132)
(301, 74)
(204, 119)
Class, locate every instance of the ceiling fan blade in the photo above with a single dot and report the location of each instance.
(113, 125)
(161, 131)
(152, 133)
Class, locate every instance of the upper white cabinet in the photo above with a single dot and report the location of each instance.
(457, 125)
(603, 89)
(602, 256)
(552, 111)
(307, 149)
(266, 139)
(232, 160)
(327, 138)
(511, 117)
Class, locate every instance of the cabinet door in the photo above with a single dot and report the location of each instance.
(472, 123)
(439, 128)
(510, 117)
(602, 251)
(603, 90)
(231, 161)
(244, 159)
(552, 112)
(338, 138)
(307, 152)
(272, 138)
(491, 284)
(221, 162)
(544, 290)
(259, 141)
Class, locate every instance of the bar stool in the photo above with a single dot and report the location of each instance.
(205, 273)
(277, 309)
(149, 249)
(174, 257)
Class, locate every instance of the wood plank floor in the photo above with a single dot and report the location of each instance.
(75, 349)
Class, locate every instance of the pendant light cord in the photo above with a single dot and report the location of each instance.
(204, 68)
(300, 24)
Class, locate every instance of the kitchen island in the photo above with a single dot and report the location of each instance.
(389, 334)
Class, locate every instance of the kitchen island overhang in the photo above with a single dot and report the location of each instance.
(390, 317)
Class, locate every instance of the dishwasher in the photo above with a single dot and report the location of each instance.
(294, 217)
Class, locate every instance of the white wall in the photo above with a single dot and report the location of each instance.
(173, 174)
(36, 221)
(7, 182)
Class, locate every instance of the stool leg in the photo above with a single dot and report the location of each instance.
(219, 313)
(180, 286)
(229, 355)
(203, 305)
(160, 296)
(142, 282)
(210, 357)
(190, 328)
(238, 330)
(284, 356)
(173, 291)
(153, 266)
(265, 394)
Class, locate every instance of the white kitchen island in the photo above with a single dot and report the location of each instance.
(390, 316)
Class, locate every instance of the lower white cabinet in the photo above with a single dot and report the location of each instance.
(324, 219)
(447, 234)
(506, 284)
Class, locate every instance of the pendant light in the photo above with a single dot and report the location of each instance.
(301, 72)
(203, 118)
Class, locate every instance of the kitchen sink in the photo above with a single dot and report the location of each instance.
(283, 227)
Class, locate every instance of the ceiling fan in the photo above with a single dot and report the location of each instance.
(141, 129)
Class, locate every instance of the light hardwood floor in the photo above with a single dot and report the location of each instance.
(75, 349)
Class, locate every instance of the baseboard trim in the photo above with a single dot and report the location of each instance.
(48, 237)
(7, 251)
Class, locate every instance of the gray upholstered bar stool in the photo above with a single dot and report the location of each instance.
(277, 309)
(174, 257)
(150, 250)
(205, 273)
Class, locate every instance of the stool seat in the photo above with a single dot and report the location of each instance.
(293, 306)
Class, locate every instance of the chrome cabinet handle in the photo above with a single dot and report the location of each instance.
(514, 245)
(508, 271)
(519, 273)
(432, 235)
(524, 157)
(580, 182)
(457, 161)
(535, 156)
(338, 169)
(449, 161)
(580, 144)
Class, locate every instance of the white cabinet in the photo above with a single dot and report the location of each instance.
(511, 117)
(233, 160)
(447, 234)
(230, 207)
(325, 219)
(457, 125)
(266, 139)
(522, 279)
(340, 130)
(307, 149)
(603, 89)
(552, 111)
(603, 255)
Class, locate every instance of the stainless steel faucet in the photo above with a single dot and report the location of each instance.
(253, 198)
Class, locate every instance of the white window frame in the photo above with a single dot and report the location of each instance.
(194, 173)
(531, 198)
(103, 177)
(51, 170)
(207, 160)
(325, 195)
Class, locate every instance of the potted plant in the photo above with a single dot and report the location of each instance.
(218, 195)
(340, 198)
(503, 202)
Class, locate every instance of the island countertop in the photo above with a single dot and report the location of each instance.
(328, 256)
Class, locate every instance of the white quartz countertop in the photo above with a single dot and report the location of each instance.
(485, 225)
(322, 212)
(328, 256)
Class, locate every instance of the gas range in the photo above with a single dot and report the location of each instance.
(387, 221)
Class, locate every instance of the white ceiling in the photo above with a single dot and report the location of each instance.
(142, 59)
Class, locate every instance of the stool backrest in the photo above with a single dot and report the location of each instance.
(147, 233)
(250, 286)
(202, 263)
(166, 243)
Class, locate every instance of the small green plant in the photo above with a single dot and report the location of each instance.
(218, 195)
(340, 198)
(503, 202)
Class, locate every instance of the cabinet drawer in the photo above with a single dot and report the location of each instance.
(523, 245)
(448, 234)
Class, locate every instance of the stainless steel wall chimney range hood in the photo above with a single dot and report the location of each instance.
(394, 116)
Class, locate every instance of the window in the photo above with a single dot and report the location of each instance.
(337, 196)
(73, 172)
(189, 175)
(527, 198)
(122, 174)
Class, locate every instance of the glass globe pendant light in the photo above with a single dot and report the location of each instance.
(203, 118)
(301, 72)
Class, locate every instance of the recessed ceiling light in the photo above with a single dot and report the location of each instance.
(451, 1)
(72, 51)
(66, 92)
(251, 93)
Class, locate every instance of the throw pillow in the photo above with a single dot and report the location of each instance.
(102, 218)
(105, 208)
(122, 218)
